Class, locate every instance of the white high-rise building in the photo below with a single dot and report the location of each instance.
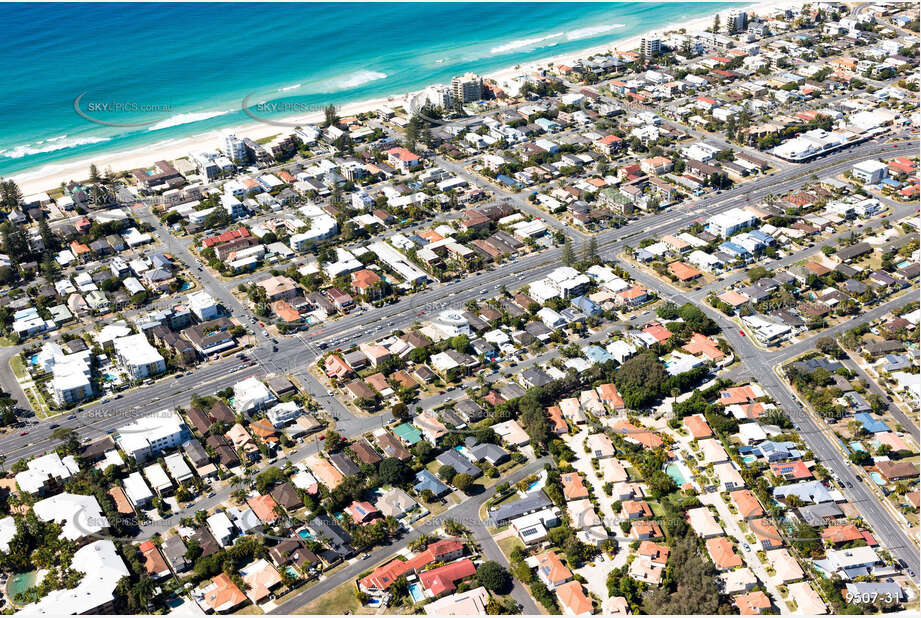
(736, 20)
(651, 46)
(467, 87)
(439, 95)
(234, 148)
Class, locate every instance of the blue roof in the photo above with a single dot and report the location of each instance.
(597, 354)
(508, 180)
(427, 480)
(870, 424)
(761, 236)
(731, 247)
(585, 305)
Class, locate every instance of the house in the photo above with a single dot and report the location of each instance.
(752, 603)
(896, 470)
(722, 554)
(444, 579)
(573, 600)
(362, 512)
(531, 503)
(95, 592)
(220, 596)
(395, 502)
(468, 603)
(703, 523)
(153, 561)
(261, 578)
(426, 481)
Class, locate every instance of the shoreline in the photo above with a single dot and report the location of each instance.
(49, 177)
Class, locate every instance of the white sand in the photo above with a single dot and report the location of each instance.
(49, 177)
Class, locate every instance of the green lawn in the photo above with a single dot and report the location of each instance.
(19, 369)
(509, 544)
(337, 601)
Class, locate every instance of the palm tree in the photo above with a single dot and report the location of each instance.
(143, 591)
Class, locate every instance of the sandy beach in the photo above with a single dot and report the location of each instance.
(50, 177)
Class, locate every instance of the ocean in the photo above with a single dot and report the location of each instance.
(84, 79)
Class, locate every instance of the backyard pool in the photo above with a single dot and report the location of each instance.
(749, 459)
(305, 535)
(415, 591)
(857, 446)
(20, 582)
(877, 478)
(674, 471)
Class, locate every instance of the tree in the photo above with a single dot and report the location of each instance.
(716, 23)
(591, 250)
(94, 173)
(447, 473)
(392, 471)
(331, 442)
(569, 256)
(828, 345)
(493, 576)
(49, 239)
(423, 451)
(462, 481)
(399, 410)
(332, 118)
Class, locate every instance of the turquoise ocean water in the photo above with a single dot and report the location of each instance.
(191, 65)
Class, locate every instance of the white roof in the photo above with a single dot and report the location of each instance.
(251, 393)
(468, 603)
(7, 532)
(157, 477)
(102, 568)
(136, 489)
(142, 432)
(703, 522)
(41, 469)
(511, 432)
(136, 350)
(80, 516)
(220, 525)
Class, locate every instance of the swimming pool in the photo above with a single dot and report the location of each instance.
(857, 446)
(20, 582)
(305, 535)
(877, 478)
(749, 459)
(674, 471)
(415, 591)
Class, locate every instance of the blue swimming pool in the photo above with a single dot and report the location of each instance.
(415, 591)
(877, 478)
(674, 471)
(857, 446)
(749, 459)
(305, 535)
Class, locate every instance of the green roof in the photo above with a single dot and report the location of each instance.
(407, 433)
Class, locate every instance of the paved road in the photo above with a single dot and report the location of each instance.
(908, 425)
(466, 513)
(761, 364)
(295, 353)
